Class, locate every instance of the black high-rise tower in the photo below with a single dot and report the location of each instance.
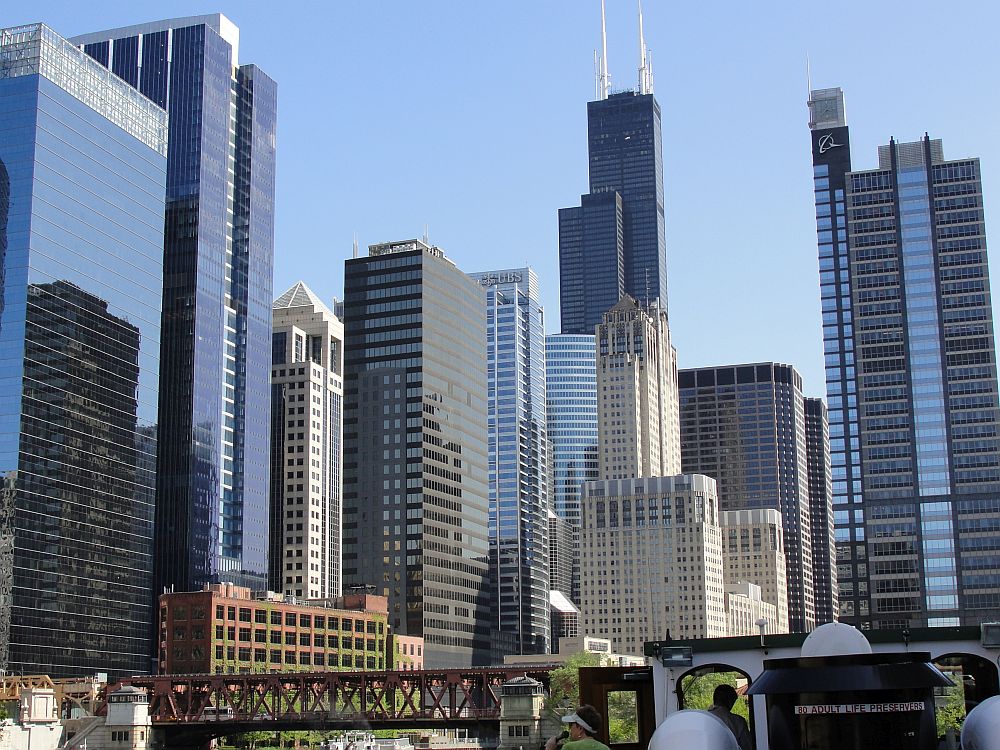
(614, 242)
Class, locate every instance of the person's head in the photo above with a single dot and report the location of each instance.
(585, 721)
(724, 695)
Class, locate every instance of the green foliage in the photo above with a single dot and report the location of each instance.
(623, 717)
(564, 682)
(952, 713)
(252, 740)
(698, 690)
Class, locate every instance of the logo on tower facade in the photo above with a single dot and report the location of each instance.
(826, 142)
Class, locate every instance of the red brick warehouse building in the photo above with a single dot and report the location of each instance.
(225, 629)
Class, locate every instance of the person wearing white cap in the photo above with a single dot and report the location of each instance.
(584, 723)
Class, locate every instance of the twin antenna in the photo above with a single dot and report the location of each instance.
(603, 80)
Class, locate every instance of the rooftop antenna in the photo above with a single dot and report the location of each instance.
(808, 79)
(605, 81)
(643, 71)
(649, 70)
(427, 240)
(355, 244)
(597, 76)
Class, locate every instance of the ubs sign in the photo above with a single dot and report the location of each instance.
(503, 277)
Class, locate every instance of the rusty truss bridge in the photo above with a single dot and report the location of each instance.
(231, 703)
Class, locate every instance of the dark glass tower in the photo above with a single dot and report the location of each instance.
(82, 176)
(744, 426)
(416, 483)
(826, 591)
(911, 379)
(212, 494)
(614, 242)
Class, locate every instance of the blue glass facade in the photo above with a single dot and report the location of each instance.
(625, 152)
(518, 452)
(212, 504)
(911, 380)
(81, 231)
(571, 392)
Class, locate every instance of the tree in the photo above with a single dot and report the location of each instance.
(564, 682)
(698, 690)
(951, 714)
(623, 717)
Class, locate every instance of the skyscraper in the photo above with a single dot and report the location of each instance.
(744, 426)
(753, 548)
(826, 591)
(637, 393)
(82, 178)
(518, 455)
(614, 243)
(212, 494)
(911, 378)
(307, 395)
(571, 392)
(416, 487)
(651, 558)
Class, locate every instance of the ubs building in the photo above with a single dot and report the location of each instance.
(82, 180)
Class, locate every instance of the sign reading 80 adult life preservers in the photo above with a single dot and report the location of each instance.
(860, 708)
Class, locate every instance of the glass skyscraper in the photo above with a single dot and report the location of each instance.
(212, 494)
(745, 426)
(614, 242)
(518, 472)
(911, 379)
(571, 392)
(416, 483)
(82, 181)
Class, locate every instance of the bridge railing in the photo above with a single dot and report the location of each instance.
(427, 696)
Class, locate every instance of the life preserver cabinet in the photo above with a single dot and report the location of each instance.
(851, 702)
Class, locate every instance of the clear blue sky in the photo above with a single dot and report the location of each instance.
(470, 117)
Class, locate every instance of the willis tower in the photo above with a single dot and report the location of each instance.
(614, 242)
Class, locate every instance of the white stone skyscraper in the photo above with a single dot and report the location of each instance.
(307, 394)
(637, 402)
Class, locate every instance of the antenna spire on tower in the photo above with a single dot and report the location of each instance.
(642, 55)
(597, 75)
(355, 244)
(605, 81)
